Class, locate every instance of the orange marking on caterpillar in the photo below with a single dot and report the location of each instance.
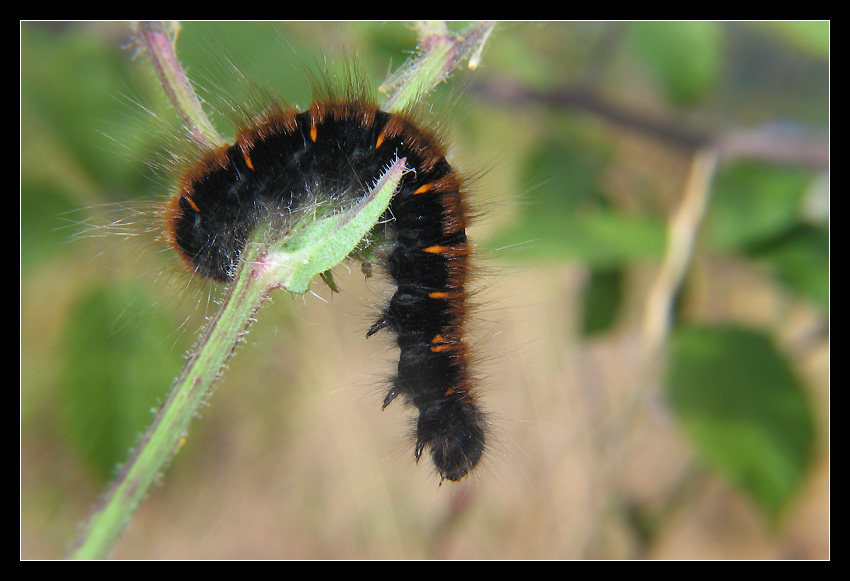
(247, 159)
(435, 249)
(439, 343)
(192, 203)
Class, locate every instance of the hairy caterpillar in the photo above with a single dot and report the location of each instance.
(283, 162)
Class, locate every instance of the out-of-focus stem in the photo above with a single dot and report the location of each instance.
(682, 232)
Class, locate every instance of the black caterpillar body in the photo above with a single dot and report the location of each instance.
(333, 152)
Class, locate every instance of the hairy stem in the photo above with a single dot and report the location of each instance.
(165, 436)
(440, 51)
(158, 39)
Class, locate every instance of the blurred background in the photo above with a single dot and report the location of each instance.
(614, 437)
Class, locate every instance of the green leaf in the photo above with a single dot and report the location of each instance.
(121, 359)
(570, 218)
(757, 211)
(43, 232)
(322, 244)
(799, 259)
(811, 36)
(599, 238)
(752, 202)
(603, 297)
(746, 412)
(71, 83)
(685, 57)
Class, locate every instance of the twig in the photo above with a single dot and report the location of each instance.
(768, 143)
(681, 235)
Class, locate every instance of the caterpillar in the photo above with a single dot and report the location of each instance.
(286, 160)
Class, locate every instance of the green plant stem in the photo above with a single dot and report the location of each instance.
(290, 263)
(164, 437)
(269, 261)
(157, 39)
(440, 51)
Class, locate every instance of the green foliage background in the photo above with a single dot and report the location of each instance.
(575, 211)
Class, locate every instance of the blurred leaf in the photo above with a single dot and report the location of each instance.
(757, 210)
(686, 57)
(72, 82)
(42, 233)
(752, 202)
(565, 176)
(812, 36)
(602, 299)
(799, 259)
(251, 59)
(121, 359)
(747, 414)
(597, 238)
(245, 62)
(570, 218)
